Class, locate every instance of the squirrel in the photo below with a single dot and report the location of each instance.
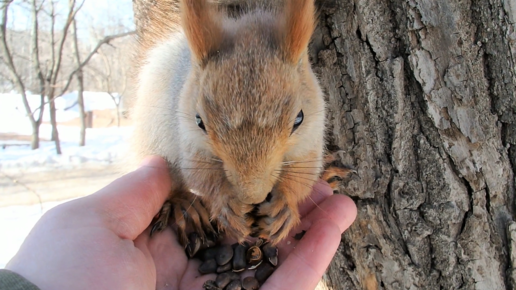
(232, 104)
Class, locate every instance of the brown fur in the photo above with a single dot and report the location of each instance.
(248, 79)
(155, 21)
(201, 27)
(300, 25)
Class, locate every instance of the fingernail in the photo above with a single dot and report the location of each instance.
(153, 161)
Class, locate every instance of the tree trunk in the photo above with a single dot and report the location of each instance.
(82, 112)
(16, 78)
(421, 101)
(80, 82)
(118, 115)
(117, 105)
(53, 122)
(34, 143)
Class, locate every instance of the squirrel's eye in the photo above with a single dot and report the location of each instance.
(299, 120)
(199, 122)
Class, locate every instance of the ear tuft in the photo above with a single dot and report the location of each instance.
(201, 28)
(300, 24)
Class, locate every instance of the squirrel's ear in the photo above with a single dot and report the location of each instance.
(299, 26)
(201, 28)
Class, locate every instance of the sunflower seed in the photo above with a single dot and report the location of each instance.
(250, 283)
(235, 285)
(224, 255)
(208, 254)
(224, 268)
(254, 255)
(239, 257)
(208, 267)
(225, 278)
(271, 254)
(210, 285)
(263, 272)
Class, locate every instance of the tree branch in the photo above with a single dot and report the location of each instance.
(71, 16)
(36, 62)
(9, 59)
(103, 41)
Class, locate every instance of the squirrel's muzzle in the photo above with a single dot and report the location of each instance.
(255, 193)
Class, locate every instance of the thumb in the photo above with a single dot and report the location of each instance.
(129, 203)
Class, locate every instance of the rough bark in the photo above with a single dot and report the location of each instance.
(421, 99)
(421, 102)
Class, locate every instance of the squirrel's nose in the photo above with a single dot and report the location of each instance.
(267, 198)
(258, 196)
(250, 189)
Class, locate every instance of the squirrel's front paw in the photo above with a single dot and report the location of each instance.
(276, 217)
(190, 215)
(234, 219)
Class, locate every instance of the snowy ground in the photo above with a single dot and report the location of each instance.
(13, 117)
(103, 145)
(85, 168)
(16, 223)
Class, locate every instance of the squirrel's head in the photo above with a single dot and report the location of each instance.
(251, 99)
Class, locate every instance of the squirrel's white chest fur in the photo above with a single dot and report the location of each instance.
(155, 114)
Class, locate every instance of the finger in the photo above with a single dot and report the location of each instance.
(141, 243)
(306, 264)
(169, 257)
(320, 192)
(339, 209)
(129, 203)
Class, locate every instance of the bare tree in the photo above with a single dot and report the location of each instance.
(52, 75)
(80, 82)
(46, 67)
(113, 83)
(16, 78)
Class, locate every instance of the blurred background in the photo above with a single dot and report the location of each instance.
(65, 78)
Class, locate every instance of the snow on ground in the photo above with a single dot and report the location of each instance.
(15, 224)
(103, 145)
(13, 117)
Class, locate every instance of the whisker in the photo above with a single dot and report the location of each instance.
(199, 161)
(308, 186)
(220, 169)
(316, 112)
(293, 176)
(296, 162)
(316, 203)
(217, 160)
(295, 167)
(189, 207)
(296, 172)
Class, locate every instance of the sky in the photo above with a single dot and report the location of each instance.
(94, 13)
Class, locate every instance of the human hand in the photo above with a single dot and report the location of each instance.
(102, 241)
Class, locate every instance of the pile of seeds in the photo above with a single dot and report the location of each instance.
(228, 261)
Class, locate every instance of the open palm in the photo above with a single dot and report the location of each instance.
(102, 241)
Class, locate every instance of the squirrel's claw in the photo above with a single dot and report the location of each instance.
(156, 227)
(276, 219)
(161, 222)
(194, 244)
(193, 226)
